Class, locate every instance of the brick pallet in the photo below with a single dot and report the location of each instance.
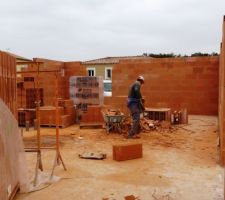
(161, 114)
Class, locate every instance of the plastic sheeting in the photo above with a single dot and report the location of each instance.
(86, 89)
(44, 179)
(13, 168)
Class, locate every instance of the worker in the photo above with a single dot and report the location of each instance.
(136, 107)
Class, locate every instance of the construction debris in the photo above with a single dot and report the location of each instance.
(91, 155)
(179, 117)
(115, 119)
(112, 112)
(131, 197)
(161, 197)
(148, 125)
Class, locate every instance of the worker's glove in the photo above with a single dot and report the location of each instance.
(142, 107)
(143, 104)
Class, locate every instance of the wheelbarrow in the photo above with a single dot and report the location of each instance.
(113, 122)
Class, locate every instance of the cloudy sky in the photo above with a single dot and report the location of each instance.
(86, 29)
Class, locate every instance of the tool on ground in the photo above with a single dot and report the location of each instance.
(91, 155)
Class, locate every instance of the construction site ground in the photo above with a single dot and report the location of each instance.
(179, 163)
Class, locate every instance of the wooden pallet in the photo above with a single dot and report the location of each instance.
(91, 125)
(161, 114)
(53, 126)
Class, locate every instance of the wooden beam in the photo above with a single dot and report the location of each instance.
(29, 63)
(43, 71)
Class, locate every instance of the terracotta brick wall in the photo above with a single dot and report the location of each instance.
(9, 142)
(47, 81)
(8, 81)
(221, 98)
(190, 83)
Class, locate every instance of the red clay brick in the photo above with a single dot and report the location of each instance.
(127, 152)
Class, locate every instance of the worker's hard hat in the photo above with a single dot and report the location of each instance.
(141, 78)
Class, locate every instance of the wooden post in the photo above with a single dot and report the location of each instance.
(58, 157)
(39, 160)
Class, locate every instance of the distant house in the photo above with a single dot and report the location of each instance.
(104, 66)
(20, 61)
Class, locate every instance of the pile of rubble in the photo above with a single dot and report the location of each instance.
(148, 125)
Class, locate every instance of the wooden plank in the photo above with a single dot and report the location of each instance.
(15, 190)
(91, 125)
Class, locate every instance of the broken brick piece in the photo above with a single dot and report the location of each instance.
(131, 197)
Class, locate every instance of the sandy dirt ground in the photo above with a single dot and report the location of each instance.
(177, 164)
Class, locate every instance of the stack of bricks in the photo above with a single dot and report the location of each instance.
(27, 95)
(67, 114)
(69, 109)
(47, 81)
(92, 115)
(174, 83)
(26, 116)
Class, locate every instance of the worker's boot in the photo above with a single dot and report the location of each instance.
(132, 137)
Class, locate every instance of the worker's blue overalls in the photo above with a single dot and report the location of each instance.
(134, 104)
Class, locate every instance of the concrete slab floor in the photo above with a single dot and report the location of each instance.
(177, 164)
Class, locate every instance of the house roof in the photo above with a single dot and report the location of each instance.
(18, 58)
(112, 60)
